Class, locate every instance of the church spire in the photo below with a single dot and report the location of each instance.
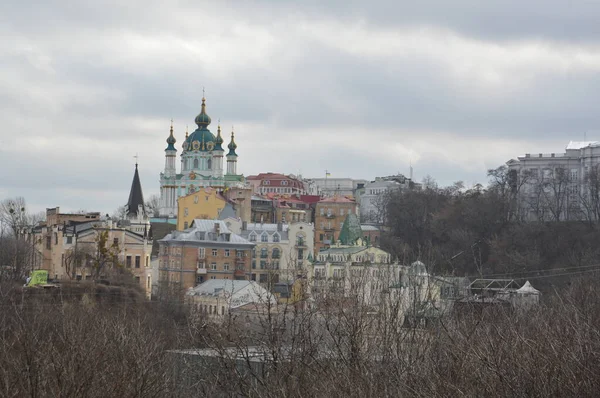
(219, 139)
(203, 120)
(232, 146)
(136, 198)
(171, 140)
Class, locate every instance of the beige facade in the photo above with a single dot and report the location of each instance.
(281, 250)
(330, 214)
(69, 249)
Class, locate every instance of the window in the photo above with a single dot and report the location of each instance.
(275, 264)
(215, 252)
(322, 211)
(276, 238)
(284, 182)
(186, 212)
(195, 163)
(341, 212)
(226, 252)
(267, 182)
(321, 237)
(252, 238)
(209, 164)
(276, 253)
(301, 254)
(196, 199)
(69, 240)
(263, 264)
(263, 278)
(56, 238)
(253, 264)
(213, 266)
(116, 241)
(226, 266)
(128, 262)
(201, 252)
(263, 253)
(574, 173)
(222, 310)
(239, 253)
(213, 277)
(185, 225)
(137, 261)
(147, 261)
(137, 279)
(264, 237)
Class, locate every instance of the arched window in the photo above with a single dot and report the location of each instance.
(209, 164)
(196, 163)
(263, 252)
(275, 253)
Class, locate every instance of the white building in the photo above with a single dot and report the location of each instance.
(552, 186)
(218, 297)
(281, 250)
(372, 205)
(326, 187)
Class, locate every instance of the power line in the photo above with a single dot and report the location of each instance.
(533, 272)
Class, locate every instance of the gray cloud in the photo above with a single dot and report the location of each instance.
(361, 89)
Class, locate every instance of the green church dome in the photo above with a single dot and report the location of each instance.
(201, 139)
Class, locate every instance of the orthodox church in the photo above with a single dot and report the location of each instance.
(201, 164)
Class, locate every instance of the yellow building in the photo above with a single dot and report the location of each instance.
(206, 203)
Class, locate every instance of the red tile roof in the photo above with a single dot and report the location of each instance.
(337, 199)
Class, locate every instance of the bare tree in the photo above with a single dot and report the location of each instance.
(120, 213)
(152, 206)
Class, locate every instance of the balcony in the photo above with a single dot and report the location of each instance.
(240, 261)
(300, 245)
(239, 273)
(201, 271)
(330, 215)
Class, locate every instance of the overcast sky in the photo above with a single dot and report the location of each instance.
(360, 88)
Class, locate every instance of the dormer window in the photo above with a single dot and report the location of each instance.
(264, 237)
(252, 237)
(276, 238)
(266, 182)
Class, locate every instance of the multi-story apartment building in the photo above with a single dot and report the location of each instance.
(330, 214)
(207, 250)
(265, 183)
(555, 186)
(281, 249)
(328, 186)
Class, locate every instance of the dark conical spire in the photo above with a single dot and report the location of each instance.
(136, 198)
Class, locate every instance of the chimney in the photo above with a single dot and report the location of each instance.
(217, 228)
(244, 225)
